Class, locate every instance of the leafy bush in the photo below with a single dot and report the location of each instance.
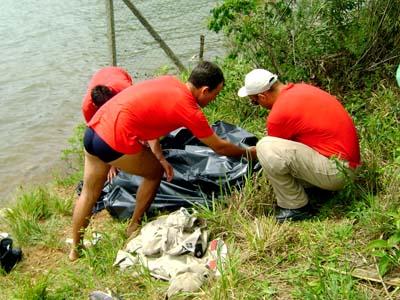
(341, 44)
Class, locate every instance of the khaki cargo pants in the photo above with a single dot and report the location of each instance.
(291, 166)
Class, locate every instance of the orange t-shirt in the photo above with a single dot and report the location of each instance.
(115, 78)
(308, 115)
(148, 110)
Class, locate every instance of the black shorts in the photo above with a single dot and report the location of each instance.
(96, 146)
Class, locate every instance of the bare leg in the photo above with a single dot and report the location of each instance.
(95, 174)
(146, 165)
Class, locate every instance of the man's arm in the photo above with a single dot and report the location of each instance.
(157, 151)
(223, 147)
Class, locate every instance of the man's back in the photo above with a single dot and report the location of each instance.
(115, 78)
(309, 115)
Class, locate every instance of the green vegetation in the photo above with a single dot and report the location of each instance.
(342, 45)
(350, 48)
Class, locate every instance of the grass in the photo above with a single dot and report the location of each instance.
(266, 260)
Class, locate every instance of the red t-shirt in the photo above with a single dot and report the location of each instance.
(148, 110)
(115, 78)
(308, 115)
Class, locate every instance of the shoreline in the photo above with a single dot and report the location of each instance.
(43, 178)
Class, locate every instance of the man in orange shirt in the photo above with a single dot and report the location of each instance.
(311, 140)
(142, 113)
(105, 84)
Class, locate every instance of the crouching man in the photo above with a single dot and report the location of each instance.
(311, 141)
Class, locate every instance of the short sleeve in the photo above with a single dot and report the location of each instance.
(197, 123)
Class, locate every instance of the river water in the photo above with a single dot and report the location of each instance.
(48, 52)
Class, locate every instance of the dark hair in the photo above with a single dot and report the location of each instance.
(274, 87)
(101, 94)
(206, 74)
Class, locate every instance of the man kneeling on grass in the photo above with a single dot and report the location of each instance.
(311, 141)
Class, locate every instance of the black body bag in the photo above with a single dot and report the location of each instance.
(201, 175)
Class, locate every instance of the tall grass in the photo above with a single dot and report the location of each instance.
(27, 220)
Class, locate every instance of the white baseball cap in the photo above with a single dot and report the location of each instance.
(256, 82)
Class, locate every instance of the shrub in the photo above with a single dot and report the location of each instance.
(340, 45)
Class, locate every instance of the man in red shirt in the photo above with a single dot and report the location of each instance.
(311, 140)
(143, 113)
(105, 83)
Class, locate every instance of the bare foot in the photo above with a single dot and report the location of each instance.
(73, 254)
(133, 230)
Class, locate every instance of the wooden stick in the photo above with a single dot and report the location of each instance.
(381, 279)
(155, 35)
(201, 53)
(111, 31)
(367, 275)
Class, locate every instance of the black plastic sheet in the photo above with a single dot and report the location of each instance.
(200, 175)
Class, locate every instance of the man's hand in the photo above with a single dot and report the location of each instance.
(169, 170)
(112, 173)
(157, 151)
(252, 153)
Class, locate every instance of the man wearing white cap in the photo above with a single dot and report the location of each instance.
(311, 141)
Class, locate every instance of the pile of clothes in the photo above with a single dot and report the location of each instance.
(175, 248)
